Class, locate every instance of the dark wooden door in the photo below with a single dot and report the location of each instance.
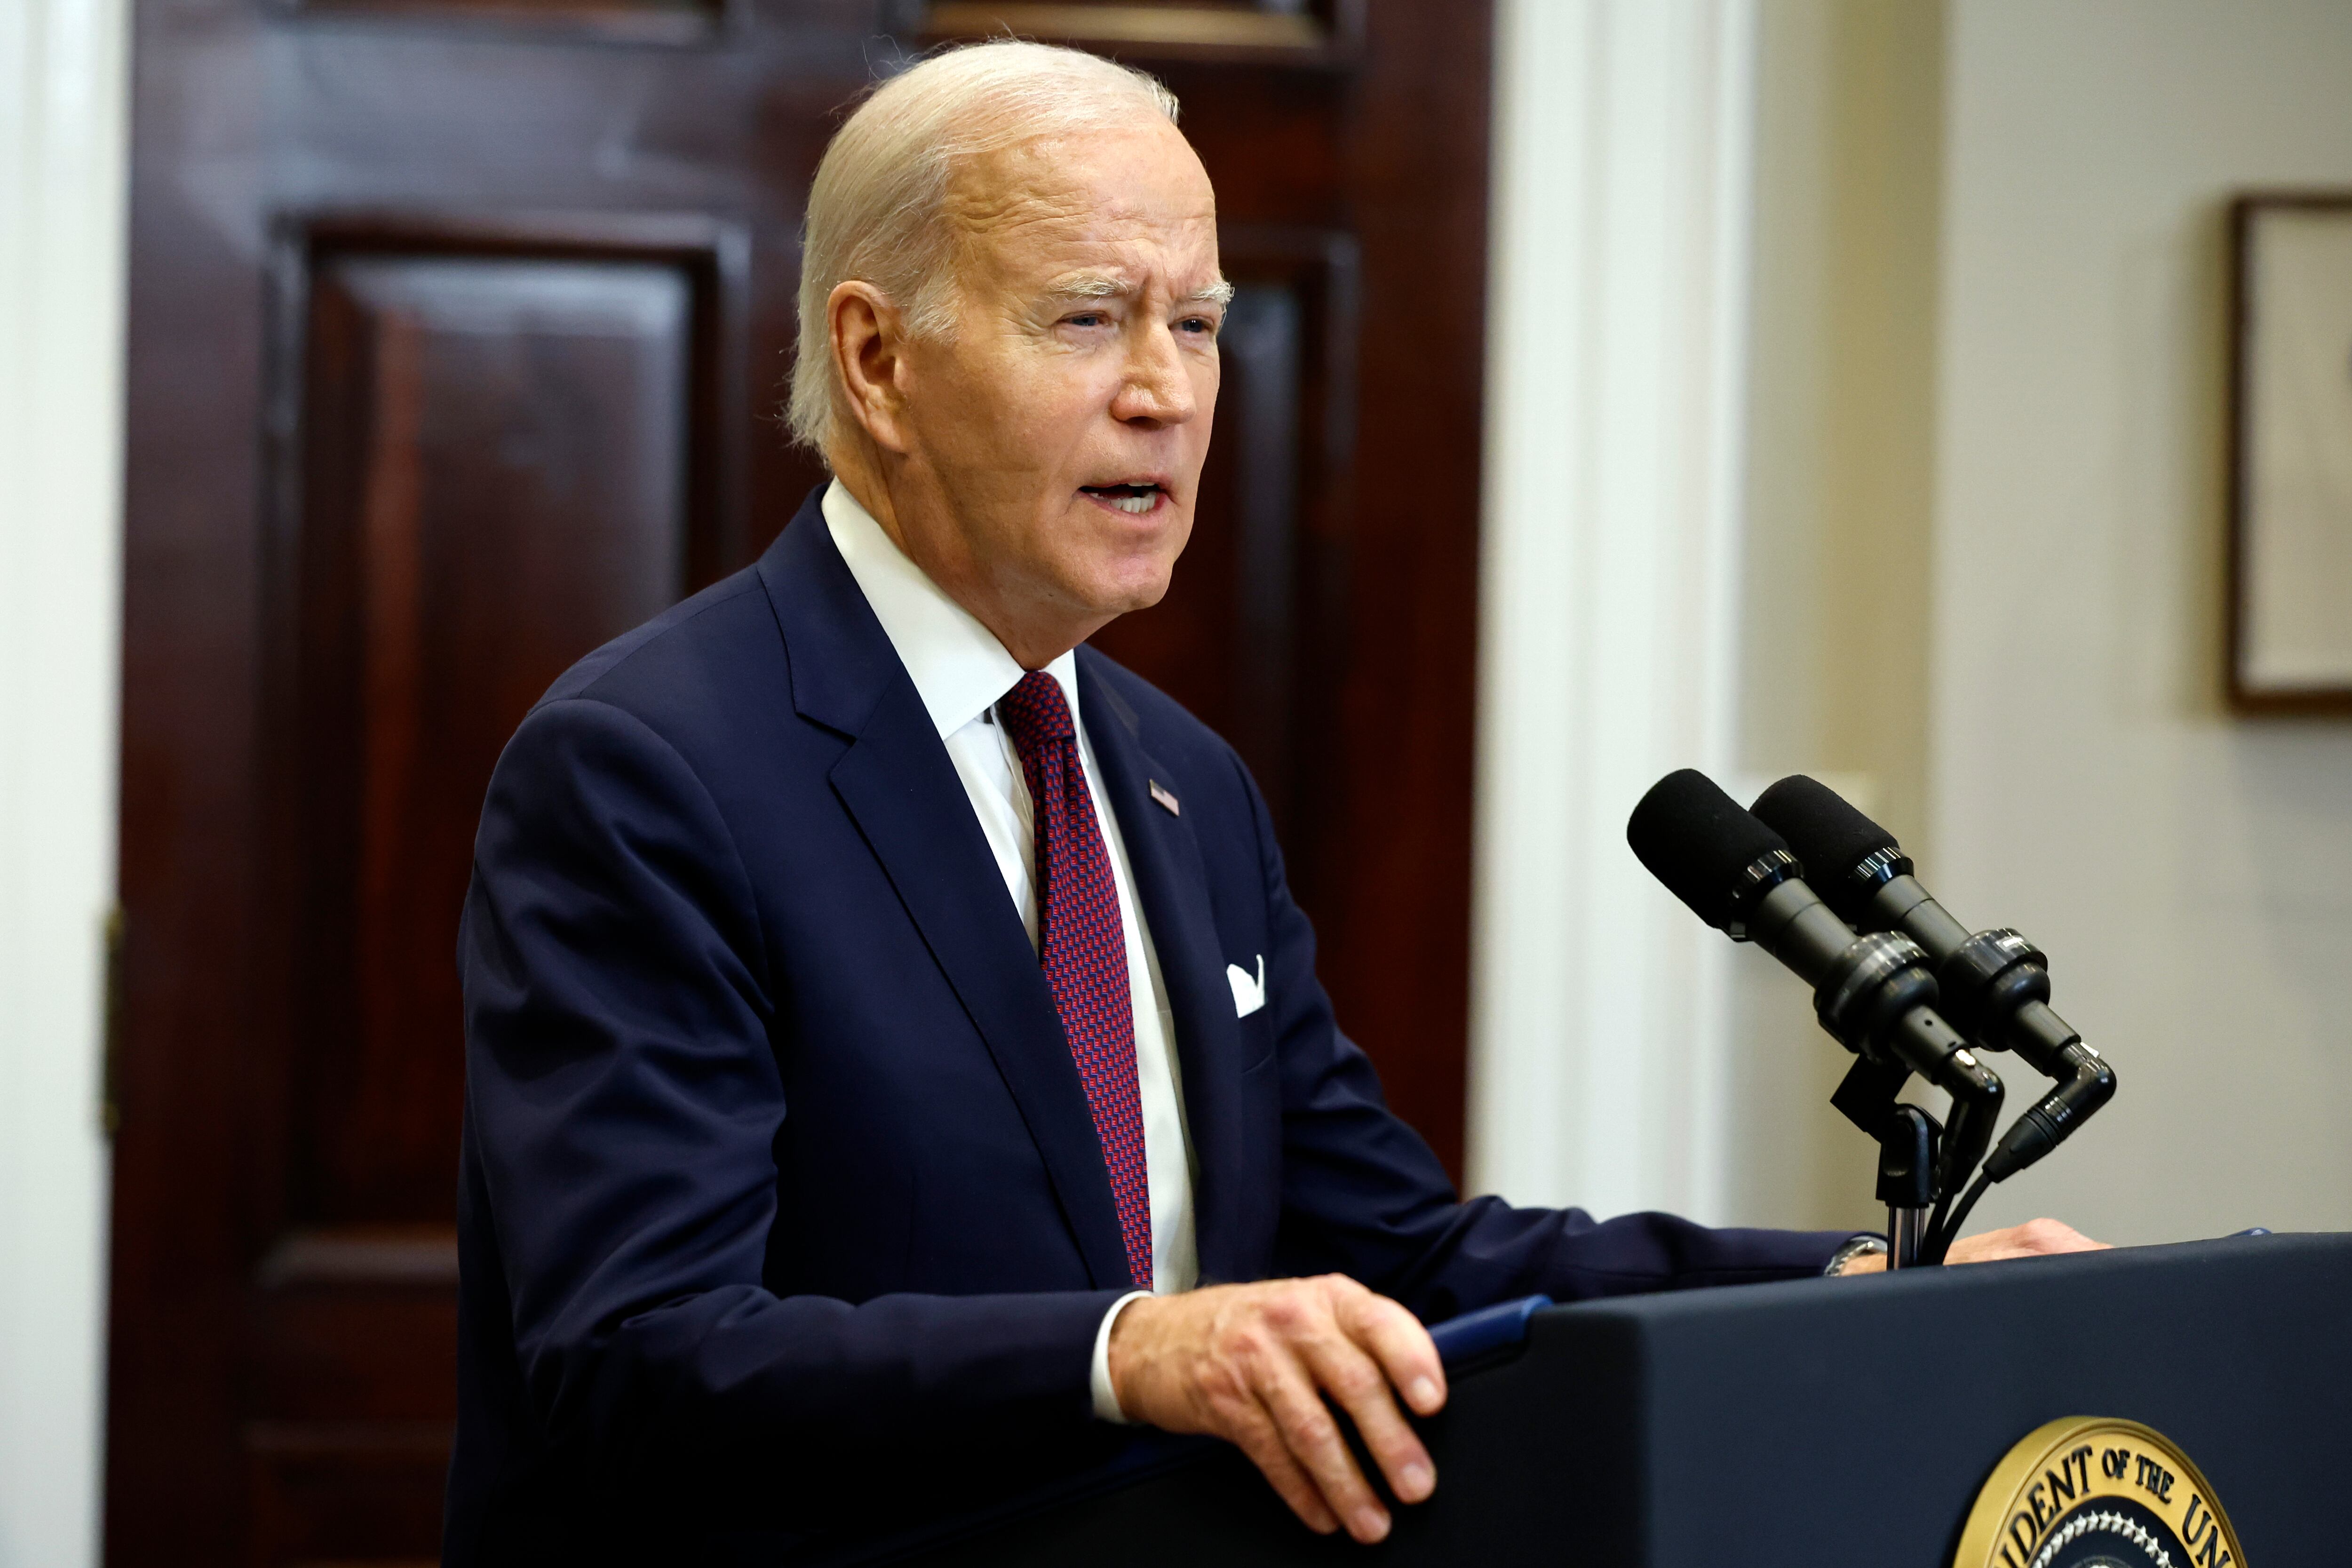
(456, 332)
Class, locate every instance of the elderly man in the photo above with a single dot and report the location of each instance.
(894, 1056)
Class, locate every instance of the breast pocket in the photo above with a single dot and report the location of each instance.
(1256, 1032)
(1248, 987)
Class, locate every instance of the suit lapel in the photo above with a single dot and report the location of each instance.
(1172, 882)
(896, 782)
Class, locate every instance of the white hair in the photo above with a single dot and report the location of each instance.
(874, 208)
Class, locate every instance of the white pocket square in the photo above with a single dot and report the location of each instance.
(1249, 995)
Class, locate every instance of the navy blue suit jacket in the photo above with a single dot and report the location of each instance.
(779, 1185)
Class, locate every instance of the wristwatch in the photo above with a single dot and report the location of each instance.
(1860, 1247)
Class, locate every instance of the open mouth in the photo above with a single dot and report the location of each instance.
(1133, 499)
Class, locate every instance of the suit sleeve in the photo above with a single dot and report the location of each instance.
(1363, 1195)
(622, 1102)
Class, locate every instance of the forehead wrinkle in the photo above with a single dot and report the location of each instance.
(1022, 187)
(993, 237)
(1085, 262)
(1040, 236)
(1009, 207)
(990, 193)
(1068, 228)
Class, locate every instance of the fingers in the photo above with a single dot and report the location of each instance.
(1251, 1363)
(2034, 1239)
(1407, 1355)
(1374, 1327)
(2049, 1236)
(1354, 1381)
(1354, 1348)
(1263, 1441)
(1312, 1435)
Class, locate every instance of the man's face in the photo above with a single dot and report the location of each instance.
(1054, 443)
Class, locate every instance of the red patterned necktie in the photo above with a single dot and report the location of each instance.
(1082, 945)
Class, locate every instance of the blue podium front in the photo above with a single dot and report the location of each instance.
(1826, 1423)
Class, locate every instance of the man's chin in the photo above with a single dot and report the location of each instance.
(1121, 582)
(1111, 597)
(1130, 603)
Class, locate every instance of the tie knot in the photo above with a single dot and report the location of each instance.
(1035, 714)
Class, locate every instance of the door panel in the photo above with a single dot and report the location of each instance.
(496, 458)
(457, 332)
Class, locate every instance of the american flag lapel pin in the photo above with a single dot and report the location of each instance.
(1165, 797)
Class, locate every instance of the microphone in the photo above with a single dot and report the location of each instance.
(1874, 993)
(1993, 983)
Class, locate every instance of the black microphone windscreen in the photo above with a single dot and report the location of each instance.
(1828, 835)
(1697, 840)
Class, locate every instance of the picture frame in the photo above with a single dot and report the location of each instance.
(2290, 453)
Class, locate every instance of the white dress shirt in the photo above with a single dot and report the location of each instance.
(960, 671)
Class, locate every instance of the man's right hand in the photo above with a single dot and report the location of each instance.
(1251, 1364)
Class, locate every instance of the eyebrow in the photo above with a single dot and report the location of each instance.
(1100, 286)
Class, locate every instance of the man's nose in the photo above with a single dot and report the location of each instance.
(1157, 390)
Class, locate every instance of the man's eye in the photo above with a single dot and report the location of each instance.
(1201, 326)
(1089, 318)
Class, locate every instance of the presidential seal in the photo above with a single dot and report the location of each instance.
(2091, 1493)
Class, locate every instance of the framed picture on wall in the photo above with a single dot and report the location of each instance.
(2291, 452)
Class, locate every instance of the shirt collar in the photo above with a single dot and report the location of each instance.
(958, 667)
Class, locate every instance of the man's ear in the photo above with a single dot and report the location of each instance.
(869, 353)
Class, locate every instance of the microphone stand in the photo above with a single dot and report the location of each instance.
(1875, 995)
(1908, 1144)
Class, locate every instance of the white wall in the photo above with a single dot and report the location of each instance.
(62, 121)
(1975, 553)
(2191, 872)
(1834, 667)
(1710, 374)
(1617, 327)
